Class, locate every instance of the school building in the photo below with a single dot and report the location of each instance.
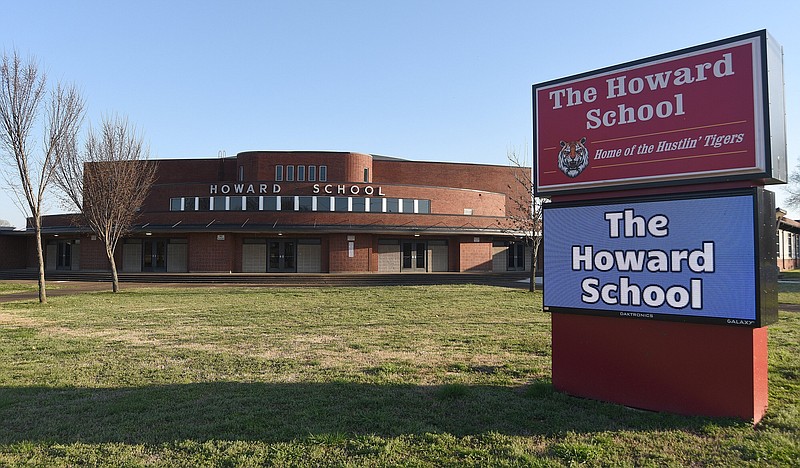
(301, 212)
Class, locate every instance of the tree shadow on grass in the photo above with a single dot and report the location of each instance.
(283, 412)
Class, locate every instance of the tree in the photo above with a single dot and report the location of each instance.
(793, 189)
(108, 182)
(526, 214)
(30, 166)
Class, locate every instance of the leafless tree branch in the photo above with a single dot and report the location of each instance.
(108, 182)
(524, 220)
(22, 96)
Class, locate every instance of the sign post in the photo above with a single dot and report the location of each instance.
(659, 243)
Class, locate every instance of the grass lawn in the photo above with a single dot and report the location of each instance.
(445, 375)
(13, 288)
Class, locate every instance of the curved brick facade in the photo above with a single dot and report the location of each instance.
(304, 211)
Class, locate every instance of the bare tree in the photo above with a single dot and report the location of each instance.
(22, 98)
(526, 214)
(793, 189)
(108, 182)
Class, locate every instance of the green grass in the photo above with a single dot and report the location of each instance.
(420, 376)
(789, 292)
(13, 288)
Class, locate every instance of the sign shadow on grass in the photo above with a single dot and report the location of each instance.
(279, 412)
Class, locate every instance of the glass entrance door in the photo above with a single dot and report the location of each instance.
(64, 261)
(516, 256)
(281, 256)
(154, 255)
(414, 256)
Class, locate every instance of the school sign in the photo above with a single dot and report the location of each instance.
(705, 114)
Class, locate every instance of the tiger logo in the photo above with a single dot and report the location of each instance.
(573, 157)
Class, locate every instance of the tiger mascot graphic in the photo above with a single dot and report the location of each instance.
(573, 157)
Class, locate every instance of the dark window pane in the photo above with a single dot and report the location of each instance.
(323, 203)
(306, 203)
(219, 203)
(424, 206)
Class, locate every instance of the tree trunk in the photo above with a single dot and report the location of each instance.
(114, 276)
(37, 229)
(532, 288)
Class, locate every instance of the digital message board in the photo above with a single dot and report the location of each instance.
(702, 258)
(708, 113)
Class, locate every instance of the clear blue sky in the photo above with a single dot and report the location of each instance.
(422, 80)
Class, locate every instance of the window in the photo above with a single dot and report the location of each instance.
(306, 203)
(424, 206)
(279, 173)
(241, 173)
(203, 204)
(366, 175)
(287, 203)
(359, 204)
(342, 204)
(408, 205)
(323, 173)
(392, 205)
(219, 203)
(235, 204)
(290, 173)
(189, 204)
(176, 204)
(312, 173)
(270, 203)
(796, 247)
(375, 205)
(323, 203)
(252, 203)
(301, 173)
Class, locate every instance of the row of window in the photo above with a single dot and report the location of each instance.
(302, 173)
(787, 248)
(301, 203)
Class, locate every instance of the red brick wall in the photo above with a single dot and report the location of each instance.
(475, 256)
(93, 255)
(15, 251)
(355, 165)
(499, 179)
(207, 254)
(340, 262)
(342, 167)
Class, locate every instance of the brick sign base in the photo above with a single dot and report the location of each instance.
(684, 368)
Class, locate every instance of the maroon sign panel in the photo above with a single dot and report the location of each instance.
(697, 114)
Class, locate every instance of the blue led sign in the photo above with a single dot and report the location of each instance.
(690, 259)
